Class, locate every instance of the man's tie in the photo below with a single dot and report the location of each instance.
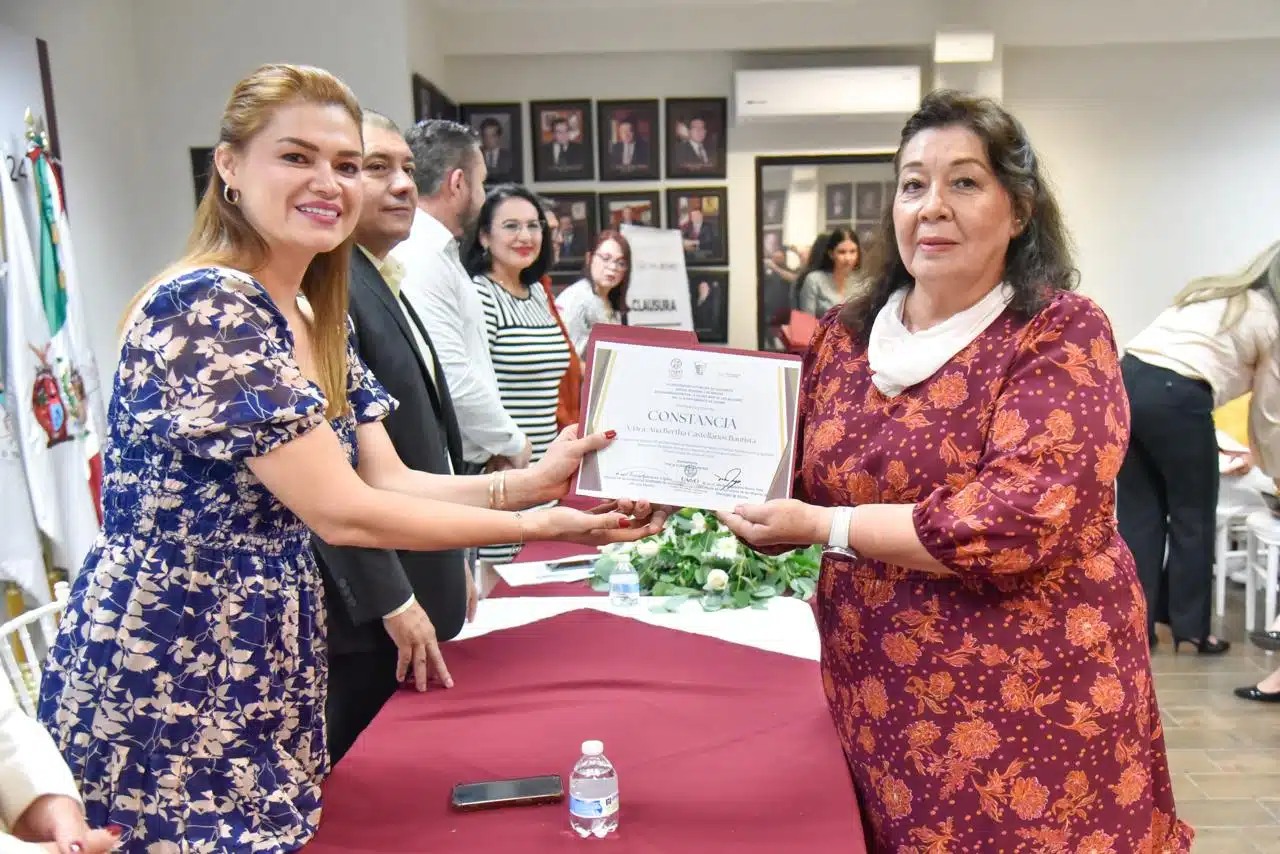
(556, 154)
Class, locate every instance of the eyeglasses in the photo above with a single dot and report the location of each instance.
(611, 261)
(513, 229)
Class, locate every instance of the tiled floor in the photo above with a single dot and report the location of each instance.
(1224, 752)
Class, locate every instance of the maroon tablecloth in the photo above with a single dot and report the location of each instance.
(719, 747)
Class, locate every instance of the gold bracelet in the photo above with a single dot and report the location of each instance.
(493, 485)
(519, 517)
(502, 490)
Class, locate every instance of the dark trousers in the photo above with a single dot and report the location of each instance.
(360, 683)
(1167, 494)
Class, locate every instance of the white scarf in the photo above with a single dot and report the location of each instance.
(900, 358)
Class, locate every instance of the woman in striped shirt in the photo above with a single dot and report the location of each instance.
(506, 256)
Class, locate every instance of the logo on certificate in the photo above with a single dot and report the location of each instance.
(677, 369)
(690, 472)
(699, 368)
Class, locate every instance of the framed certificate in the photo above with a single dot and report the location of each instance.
(700, 427)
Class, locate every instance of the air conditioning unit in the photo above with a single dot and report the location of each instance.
(800, 93)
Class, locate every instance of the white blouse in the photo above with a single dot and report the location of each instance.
(30, 767)
(582, 308)
(1190, 342)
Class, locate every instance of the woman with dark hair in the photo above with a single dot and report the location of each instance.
(833, 274)
(601, 295)
(507, 255)
(1216, 343)
(962, 424)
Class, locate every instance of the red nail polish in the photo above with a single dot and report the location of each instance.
(115, 829)
(611, 434)
(625, 523)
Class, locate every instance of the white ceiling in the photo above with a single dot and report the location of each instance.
(506, 27)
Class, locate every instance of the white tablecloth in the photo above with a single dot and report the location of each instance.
(786, 626)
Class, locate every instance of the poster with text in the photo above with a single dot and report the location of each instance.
(658, 295)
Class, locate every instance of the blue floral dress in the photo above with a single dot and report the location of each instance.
(186, 688)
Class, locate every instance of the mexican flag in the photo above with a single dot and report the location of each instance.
(48, 369)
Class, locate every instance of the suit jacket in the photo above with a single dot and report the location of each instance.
(639, 155)
(686, 156)
(363, 585)
(574, 156)
(706, 238)
(503, 165)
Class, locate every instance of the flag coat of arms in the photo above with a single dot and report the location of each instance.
(49, 368)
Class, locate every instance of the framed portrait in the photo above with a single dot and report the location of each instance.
(870, 199)
(838, 202)
(640, 208)
(866, 231)
(560, 281)
(578, 226)
(709, 298)
(773, 207)
(201, 166)
(562, 141)
(430, 103)
(629, 140)
(696, 137)
(890, 190)
(771, 242)
(701, 214)
(501, 129)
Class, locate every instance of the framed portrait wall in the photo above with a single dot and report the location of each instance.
(501, 130)
(562, 140)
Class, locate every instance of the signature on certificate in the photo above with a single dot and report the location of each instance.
(729, 479)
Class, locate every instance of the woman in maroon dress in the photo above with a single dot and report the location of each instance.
(984, 633)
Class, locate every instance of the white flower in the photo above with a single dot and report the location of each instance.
(648, 548)
(619, 548)
(717, 579)
(725, 548)
(698, 524)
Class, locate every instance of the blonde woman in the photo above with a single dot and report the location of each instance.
(1216, 343)
(186, 689)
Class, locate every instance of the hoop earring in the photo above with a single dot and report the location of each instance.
(227, 195)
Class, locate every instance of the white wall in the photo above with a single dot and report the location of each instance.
(1166, 159)
(205, 48)
(137, 83)
(677, 74)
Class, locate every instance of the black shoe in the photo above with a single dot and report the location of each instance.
(1204, 646)
(1253, 692)
(1266, 640)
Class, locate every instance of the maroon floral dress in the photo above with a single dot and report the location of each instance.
(1007, 706)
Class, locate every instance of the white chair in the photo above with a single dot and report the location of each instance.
(1262, 563)
(25, 677)
(1231, 538)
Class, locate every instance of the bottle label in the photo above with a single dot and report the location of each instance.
(593, 807)
(624, 587)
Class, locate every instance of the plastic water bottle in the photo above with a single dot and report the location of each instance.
(624, 583)
(593, 793)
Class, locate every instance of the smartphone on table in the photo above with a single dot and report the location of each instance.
(493, 794)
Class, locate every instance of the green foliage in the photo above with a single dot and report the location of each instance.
(695, 558)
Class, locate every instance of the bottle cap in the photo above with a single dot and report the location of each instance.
(592, 748)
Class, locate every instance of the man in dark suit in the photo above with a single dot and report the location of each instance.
(700, 236)
(562, 153)
(497, 157)
(692, 154)
(629, 152)
(388, 610)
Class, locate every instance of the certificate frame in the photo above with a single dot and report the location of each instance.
(589, 481)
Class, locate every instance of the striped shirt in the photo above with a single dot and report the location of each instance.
(530, 356)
